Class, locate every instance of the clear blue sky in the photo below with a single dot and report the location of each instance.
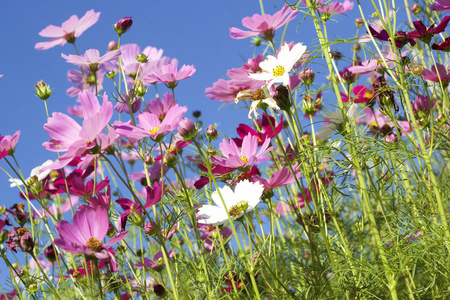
(194, 32)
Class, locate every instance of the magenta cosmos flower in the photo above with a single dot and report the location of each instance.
(244, 157)
(150, 124)
(68, 135)
(264, 24)
(69, 30)
(85, 236)
(425, 34)
(437, 72)
(441, 5)
(91, 59)
(170, 75)
(8, 143)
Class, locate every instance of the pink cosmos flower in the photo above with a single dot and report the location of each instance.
(264, 24)
(91, 59)
(281, 177)
(69, 30)
(170, 75)
(362, 93)
(441, 5)
(265, 124)
(94, 82)
(379, 124)
(444, 46)
(210, 237)
(244, 157)
(8, 143)
(68, 135)
(437, 72)
(150, 124)
(161, 107)
(85, 236)
(86, 190)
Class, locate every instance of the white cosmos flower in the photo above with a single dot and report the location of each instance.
(245, 95)
(276, 69)
(35, 172)
(245, 197)
(336, 119)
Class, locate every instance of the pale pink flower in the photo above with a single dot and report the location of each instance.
(8, 143)
(170, 75)
(94, 82)
(161, 107)
(333, 7)
(244, 157)
(151, 125)
(91, 59)
(69, 30)
(68, 135)
(264, 24)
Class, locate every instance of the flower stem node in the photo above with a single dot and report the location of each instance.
(43, 90)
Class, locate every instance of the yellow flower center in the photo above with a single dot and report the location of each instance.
(154, 130)
(368, 94)
(94, 244)
(239, 208)
(244, 159)
(278, 71)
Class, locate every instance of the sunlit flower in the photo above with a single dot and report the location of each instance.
(170, 75)
(91, 59)
(69, 30)
(245, 198)
(264, 24)
(244, 157)
(8, 143)
(276, 69)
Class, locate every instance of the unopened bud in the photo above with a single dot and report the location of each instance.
(211, 132)
(257, 41)
(348, 77)
(308, 105)
(307, 76)
(33, 288)
(197, 114)
(305, 139)
(142, 58)
(267, 194)
(123, 25)
(43, 90)
(139, 88)
(212, 151)
(359, 22)
(111, 74)
(159, 290)
(440, 119)
(2, 210)
(149, 160)
(50, 254)
(112, 46)
(415, 9)
(336, 55)
(187, 130)
(170, 160)
(121, 249)
(149, 229)
(417, 70)
(282, 98)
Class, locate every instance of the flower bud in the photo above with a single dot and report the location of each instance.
(3, 236)
(123, 25)
(282, 98)
(149, 160)
(2, 210)
(112, 46)
(50, 253)
(257, 41)
(121, 249)
(197, 114)
(348, 77)
(43, 90)
(187, 130)
(417, 70)
(159, 290)
(305, 139)
(142, 58)
(267, 195)
(307, 76)
(356, 47)
(139, 88)
(33, 288)
(440, 119)
(149, 229)
(359, 22)
(111, 74)
(211, 132)
(26, 242)
(336, 55)
(308, 105)
(170, 160)
(415, 9)
(212, 151)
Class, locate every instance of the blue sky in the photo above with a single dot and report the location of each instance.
(194, 32)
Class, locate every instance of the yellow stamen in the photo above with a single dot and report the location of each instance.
(154, 130)
(244, 159)
(278, 71)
